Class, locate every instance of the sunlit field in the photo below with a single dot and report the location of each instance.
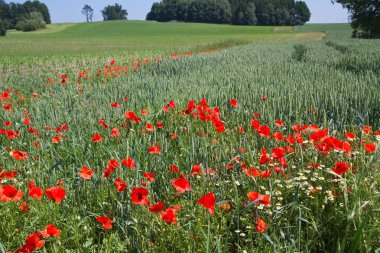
(204, 138)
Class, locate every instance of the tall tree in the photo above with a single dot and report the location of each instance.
(114, 12)
(88, 12)
(243, 12)
(365, 17)
(302, 12)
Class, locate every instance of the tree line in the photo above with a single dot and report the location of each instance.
(236, 12)
(29, 16)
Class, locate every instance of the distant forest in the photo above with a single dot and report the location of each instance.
(236, 12)
(29, 16)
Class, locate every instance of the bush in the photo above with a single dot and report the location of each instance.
(3, 28)
(300, 52)
(33, 22)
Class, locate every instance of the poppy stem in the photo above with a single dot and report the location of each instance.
(208, 234)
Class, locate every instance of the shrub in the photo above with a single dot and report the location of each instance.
(3, 29)
(33, 22)
(300, 52)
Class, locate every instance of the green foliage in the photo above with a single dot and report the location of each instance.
(201, 11)
(279, 12)
(365, 17)
(12, 13)
(88, 12)
(114, 12)
(243, 12)
(32, 22)
(300, 52)
(3, 28)
(237, 12)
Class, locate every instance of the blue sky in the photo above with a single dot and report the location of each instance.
(61, 11)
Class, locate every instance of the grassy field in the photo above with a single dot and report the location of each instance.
(268, 146)
(67, 45)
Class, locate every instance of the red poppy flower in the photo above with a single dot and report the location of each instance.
(278, 153)
(253, 172)
(56, 139)
(234, 103)
(10, 134)
(7, 107)
(7, 174)
(154, 150)
(278, 136)
(113, 164)
(350, 136)
(86, 173)
(149, 127)
(115, 105)
(32, 242)
(35, 192)
(264, 159)
(120, 185)
(103, 123)
(264, 199)
(255, 124)
(279, 123)
(159, 125)
(56, 194)
(132, 116)
(158, 207)
(139, 196)
(9, 193)
(172, 104)
(26, 121)
(264, 98)
(208, 201)
(219, 126)
(169, 215)
(130, 163)
(19, 155)
(24, 207)
(369, 147)
(7, 123)
(144, 112)
(52, 230)
(97, 138)
(367, 129)
(107, 172)
(181, 185)
(115, 132)
(264, 131)
(261, 226)
(149, 176)
(196, 169)
(266, 173)
(341, 168)
(225, 206)
(105, 221)
(173, 168)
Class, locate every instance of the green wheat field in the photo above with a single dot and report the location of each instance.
(131, 136)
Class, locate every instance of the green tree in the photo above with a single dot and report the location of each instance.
(302, 12)
(243, 12)
(114, 12)
(31, 22)
(3, 28)
(88, 12)
(365, 17)
(36, 6)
